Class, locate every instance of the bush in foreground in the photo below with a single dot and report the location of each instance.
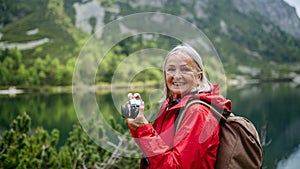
(22, 148)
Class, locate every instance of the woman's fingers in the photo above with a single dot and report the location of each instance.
(139, 121)
(141, 108)
(135, 95)
(130, 96)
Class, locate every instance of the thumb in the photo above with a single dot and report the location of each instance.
(141, 109)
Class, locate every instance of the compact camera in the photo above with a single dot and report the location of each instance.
(131, 109)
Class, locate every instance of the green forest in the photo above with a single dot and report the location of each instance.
(51, 71)
(52, 64)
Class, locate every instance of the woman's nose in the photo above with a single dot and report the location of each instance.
(177, 74)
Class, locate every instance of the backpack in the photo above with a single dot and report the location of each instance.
(239, 146)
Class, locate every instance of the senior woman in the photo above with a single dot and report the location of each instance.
(195, 143)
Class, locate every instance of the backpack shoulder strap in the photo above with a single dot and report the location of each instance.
(181, 114)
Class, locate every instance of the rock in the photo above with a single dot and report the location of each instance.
(277, 11)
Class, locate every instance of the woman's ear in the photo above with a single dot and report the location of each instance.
(199, 77)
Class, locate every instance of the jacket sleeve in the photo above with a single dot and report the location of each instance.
(195, 143)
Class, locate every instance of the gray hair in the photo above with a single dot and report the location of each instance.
(204, 85)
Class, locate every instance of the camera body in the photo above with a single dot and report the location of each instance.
(131, 109)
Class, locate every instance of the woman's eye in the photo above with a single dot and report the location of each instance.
(171, 70)
(186, 70)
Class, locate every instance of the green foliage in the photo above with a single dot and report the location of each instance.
(48, 71)
(11, 64)
(84, 151)
(22, 148)
(246, 41)
(127, 63)
(12, 10)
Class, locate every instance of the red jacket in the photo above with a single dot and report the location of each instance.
(196, 142)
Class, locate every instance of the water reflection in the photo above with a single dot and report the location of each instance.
(273, 108)
(49, 111)
(292, 162)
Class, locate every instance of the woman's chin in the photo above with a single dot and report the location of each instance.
(179, 92)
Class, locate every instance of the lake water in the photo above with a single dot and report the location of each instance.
(273, 108)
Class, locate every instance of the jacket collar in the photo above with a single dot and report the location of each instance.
(213, 97)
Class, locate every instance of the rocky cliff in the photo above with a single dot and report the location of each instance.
(277, 11)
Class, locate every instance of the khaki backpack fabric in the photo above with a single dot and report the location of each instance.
(239, 146)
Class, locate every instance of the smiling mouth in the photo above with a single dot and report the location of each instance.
(178, 83)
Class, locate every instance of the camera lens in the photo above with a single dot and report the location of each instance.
(131, 109)
(125, 110)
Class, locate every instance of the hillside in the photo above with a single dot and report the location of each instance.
(259, 39)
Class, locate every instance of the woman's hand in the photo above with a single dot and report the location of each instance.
(140, 119)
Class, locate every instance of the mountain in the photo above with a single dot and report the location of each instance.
(257, 38)
(277, 11)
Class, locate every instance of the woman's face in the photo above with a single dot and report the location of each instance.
(181, 74)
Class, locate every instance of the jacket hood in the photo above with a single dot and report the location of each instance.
(216, 98)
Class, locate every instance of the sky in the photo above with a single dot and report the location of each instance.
(296, 4)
